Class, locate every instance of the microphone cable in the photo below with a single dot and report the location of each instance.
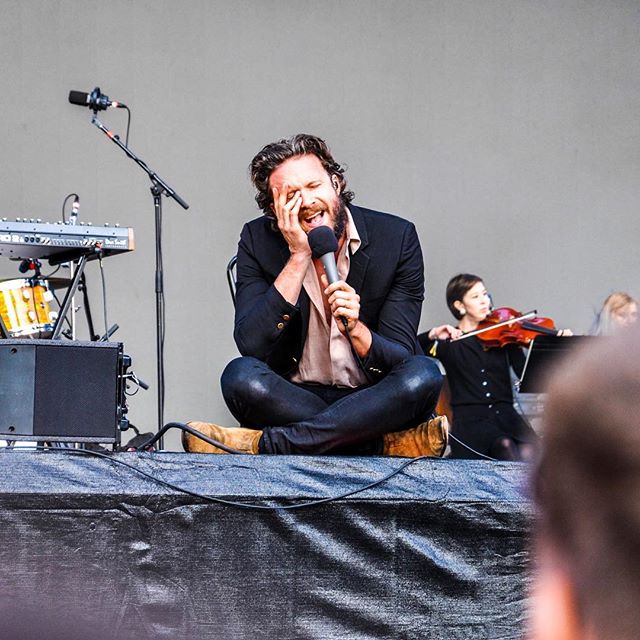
(64, 203)
(126, 137)
(466, 446)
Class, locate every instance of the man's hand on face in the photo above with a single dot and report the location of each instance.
(287, 212)
(344, 302)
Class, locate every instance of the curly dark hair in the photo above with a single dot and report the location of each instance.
(273, 155)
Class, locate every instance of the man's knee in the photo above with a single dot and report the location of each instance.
(242, 378)
(419, 376)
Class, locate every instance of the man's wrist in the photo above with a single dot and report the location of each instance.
(361, 337)
(300, 257)
(357, 330)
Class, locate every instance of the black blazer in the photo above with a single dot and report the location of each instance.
(387, 271)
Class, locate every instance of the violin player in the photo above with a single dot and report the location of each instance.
(479, 378)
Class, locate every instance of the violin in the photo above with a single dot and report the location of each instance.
(505, 326)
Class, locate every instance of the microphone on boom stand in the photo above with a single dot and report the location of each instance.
(96, 100)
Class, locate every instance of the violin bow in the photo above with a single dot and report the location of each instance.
(504, 323)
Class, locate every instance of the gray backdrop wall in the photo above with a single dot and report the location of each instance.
(508, 131)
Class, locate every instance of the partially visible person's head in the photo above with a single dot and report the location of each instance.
(302, 163)
(587, 488)
(466, 294)
(618, 311)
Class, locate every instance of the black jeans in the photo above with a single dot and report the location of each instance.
(317, 419)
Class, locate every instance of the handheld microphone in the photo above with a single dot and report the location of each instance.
(324, 245)
(96, 100)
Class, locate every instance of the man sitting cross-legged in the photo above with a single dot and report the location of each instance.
(326, 368)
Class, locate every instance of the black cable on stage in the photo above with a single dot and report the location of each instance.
(466, 446)
(232, 503)
(185, 427)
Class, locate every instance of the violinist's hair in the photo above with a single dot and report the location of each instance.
(271, 156)
(588, 481)
(605, 324)
(457, 288)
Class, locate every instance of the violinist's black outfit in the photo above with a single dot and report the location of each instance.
(482, 396)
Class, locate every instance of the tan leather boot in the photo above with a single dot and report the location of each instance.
(244, 440)
(427, 439)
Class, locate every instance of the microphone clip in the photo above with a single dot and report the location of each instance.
(98, 101)
(29, 264)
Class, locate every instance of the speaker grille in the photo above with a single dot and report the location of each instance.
(74, 387)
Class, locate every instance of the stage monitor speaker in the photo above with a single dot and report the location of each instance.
(56, 391)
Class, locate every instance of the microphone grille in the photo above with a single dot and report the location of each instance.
(322, 240)
(78, 97)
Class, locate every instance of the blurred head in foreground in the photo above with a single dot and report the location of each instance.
(587, 488)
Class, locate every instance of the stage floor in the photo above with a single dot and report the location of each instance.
(90, 546)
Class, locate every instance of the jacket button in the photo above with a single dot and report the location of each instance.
(286, 317)
(280, 325)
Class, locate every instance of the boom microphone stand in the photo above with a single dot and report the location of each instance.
(159, 188)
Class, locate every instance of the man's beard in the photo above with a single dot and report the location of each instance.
(341, 218)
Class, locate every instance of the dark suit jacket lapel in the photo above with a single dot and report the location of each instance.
(360, 259)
